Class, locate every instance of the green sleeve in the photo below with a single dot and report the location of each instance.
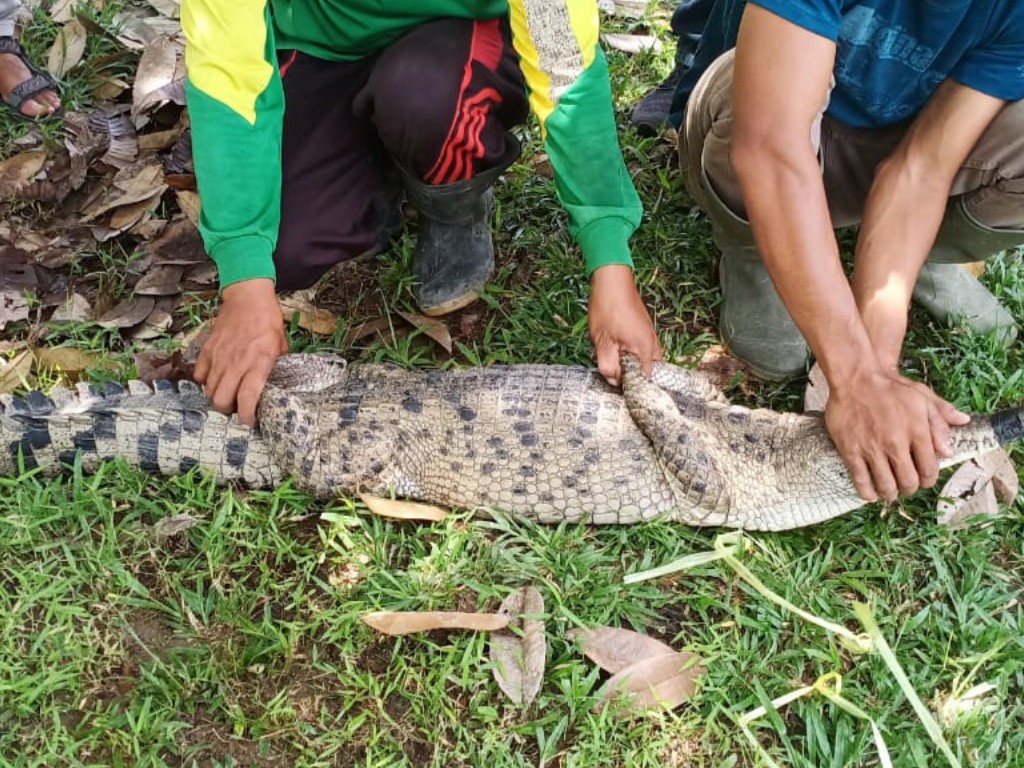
(590, 174)
(236, 107)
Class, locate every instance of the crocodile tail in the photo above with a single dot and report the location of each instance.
(1007, 425)
(167, 428)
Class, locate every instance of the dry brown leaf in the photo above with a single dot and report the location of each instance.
(161, 280)
(721, 368)
(631, 43)
(16, 280)
(160, 77)
(407, 622)
(21, 168)
(15, 373)
(127, 216)
(173, 525)
(128, 313)
(153, 327)
(74, 309)
(63, 11)
(132, 184)
(613, 648)
(816, 393)
(402, 510)
(109, 90)
(169, 8)
(158, 140)
(65, 359)
(976, 487)
(152, 365)
(370, 327)
(136, 32)
(67, 49)
(518, 657)
(179, 243)
(654, 683)
(188, 201)
(435, 329)
(313, 319)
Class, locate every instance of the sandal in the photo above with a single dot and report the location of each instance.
(36, 84)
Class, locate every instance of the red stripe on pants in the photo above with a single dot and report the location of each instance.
(463, 144)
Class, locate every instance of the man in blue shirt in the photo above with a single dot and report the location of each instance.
(904, 117)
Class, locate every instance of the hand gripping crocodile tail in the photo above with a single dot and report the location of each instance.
(552, 443)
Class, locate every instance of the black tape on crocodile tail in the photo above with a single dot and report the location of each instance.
(1007, 425)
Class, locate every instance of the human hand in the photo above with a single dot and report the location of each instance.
(246, 340)
(888, 429)
(619, 321)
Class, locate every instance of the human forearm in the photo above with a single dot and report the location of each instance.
(788, 212)
(901, 217)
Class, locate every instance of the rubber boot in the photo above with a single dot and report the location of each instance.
(454, 254)
(948, 291)
(753, 321)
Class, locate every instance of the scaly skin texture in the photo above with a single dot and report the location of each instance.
(551, 443)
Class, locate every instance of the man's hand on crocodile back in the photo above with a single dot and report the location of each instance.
(619, 321)
(246, 340)
(889, 430)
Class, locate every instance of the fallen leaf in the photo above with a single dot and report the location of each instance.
(63, 10)
(65, 359)
(153, 327)
(435, 329)
(402, 510)
(15, 372)
(128, 216)
(74, 309)
(976, 487)
(188, 201)
(168, 527)
(20, 168)
(313, 319)
(654, 683)
(816, 392)
(161, 280)
(518, 657)
(406, 622)
(128, 312)
(361, 331)
(974, 268)
(613, 648)
(169, 8)
(152, 365)
(721, 368)
(67, 49)
(132, 184)
(159, 78)
(632, 43)
(16, 280)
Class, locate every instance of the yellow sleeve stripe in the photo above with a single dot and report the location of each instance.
(556, 42)
(226, 52)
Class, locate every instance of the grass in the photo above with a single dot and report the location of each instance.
(238, 642)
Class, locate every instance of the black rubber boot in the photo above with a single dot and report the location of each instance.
(454, 255)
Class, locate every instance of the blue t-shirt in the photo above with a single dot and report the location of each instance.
(891, 55)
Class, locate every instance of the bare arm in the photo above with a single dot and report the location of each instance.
(887, 428)
(905, 207)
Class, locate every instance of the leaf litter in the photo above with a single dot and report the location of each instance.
(519, 653)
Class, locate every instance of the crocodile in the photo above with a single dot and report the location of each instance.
(548, 442)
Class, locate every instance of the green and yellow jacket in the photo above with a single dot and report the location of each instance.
(236, 106)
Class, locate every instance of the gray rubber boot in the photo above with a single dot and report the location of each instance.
(753, 321)
(454, 255)
(948, 291)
